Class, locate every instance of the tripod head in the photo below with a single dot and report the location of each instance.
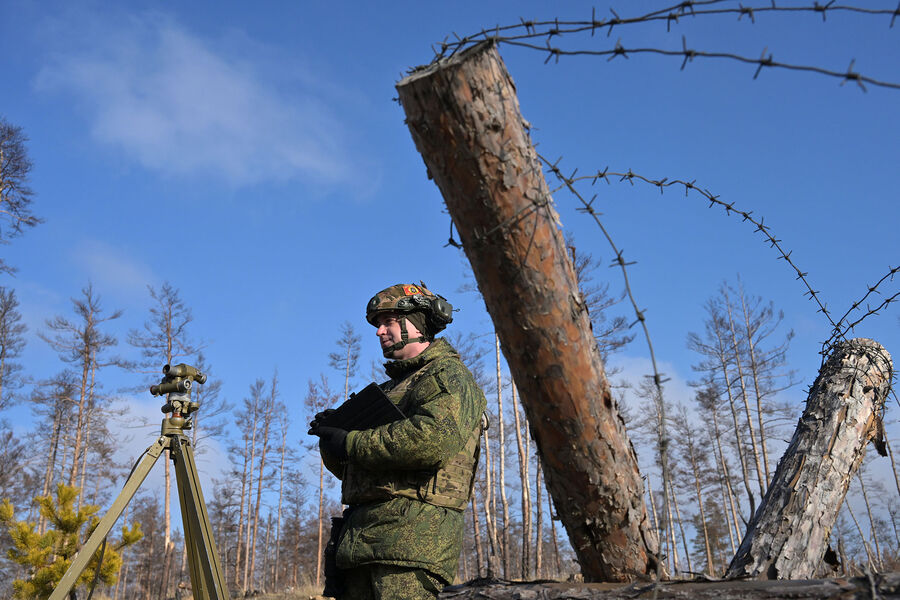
(178, 382)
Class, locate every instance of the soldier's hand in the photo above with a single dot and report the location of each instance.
(321, 416)
(317, 420)
(332, 440)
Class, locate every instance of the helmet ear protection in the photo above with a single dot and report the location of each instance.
(441, 313)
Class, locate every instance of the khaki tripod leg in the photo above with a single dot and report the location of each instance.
(207, 578)
(131, 486)
(198, 583)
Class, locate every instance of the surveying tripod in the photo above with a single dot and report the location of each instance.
(207, 578)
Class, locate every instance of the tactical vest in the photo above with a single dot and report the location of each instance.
(449, 486)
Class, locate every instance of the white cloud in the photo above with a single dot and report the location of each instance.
(179, 105)
(111, 270)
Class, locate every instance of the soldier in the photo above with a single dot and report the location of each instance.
(407, 483)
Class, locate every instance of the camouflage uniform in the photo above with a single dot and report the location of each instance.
(407, 483)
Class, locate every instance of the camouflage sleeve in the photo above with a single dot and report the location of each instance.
(446, 406)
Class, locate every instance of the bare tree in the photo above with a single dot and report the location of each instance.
(707, 399)
(319, 397)
(501, 460)
(267, 408)
(253, 417)
(526, 491)
(81, 342)
(346, 359)
(286, 455)
(693, 472)
(12, 342)
(52, 401)
(716, 364)
(609, 331)
(15, 195)
(209, 421)
(164, 340)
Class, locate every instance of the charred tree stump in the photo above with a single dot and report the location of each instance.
(464, 117)
(788, 536)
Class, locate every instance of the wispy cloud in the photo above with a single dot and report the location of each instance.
(181, 104)
(111, 270)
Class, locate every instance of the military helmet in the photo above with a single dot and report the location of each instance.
(405, 298)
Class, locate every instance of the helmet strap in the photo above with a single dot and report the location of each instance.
(404, 338)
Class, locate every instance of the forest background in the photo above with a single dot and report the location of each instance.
(253, 163)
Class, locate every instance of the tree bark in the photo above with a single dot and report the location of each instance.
(465, 120)
(885, 586)
(788, 535)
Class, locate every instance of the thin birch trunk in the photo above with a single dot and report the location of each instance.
(321, 540)
(553, 518)
(488, 510)
(51, 464)
(284, 431)
(862, 537)
(502, 461)
(82, 409)
(757, 388)
(730, 508)
(745, 397)
(670, 534)
(878, 556)
(239, 542)
(265, 568)
(656, 525)
(710, 568)
(249, 531)
(887, 445)
(476, 534)
(723, 364)
(267, 410)
(687, 555)
(539, 549)
(727, 502)
(526, 503)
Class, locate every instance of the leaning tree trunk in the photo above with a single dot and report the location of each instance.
(464, 118)
(788, 536)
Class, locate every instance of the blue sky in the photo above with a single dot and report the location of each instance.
(254, 157)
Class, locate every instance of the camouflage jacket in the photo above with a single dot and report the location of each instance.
(443, 405)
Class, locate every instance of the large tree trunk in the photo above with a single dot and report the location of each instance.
(465, 120)
(787, 537)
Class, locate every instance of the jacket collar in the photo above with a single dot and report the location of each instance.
(399, 369)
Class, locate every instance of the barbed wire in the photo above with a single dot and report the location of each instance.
(839, 328)
(520, 34)
(657, 377)
(840, 332)
(714, 200)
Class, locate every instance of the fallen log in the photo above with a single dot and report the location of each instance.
(881, 586)
(788, 536)
(464, 117)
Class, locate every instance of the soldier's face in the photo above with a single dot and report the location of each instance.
(389, 333)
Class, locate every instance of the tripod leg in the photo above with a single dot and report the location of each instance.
(131, 486)
(198, 583)
(202, 552)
